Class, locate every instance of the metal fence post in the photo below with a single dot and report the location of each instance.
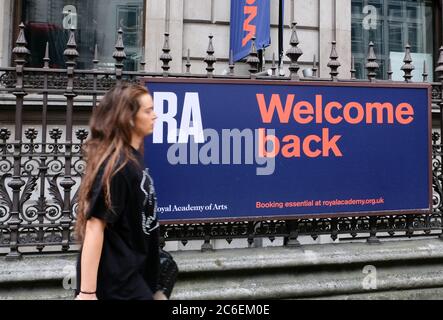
(439, 72)
(21, 53)
(67, 183)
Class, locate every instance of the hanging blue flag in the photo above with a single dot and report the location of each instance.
(249, 18)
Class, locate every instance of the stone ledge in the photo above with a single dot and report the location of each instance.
(309, 255)
(36, 268)
(55, 292)
(403, 269)
(418, 294)
(50, 267)
(293, 284)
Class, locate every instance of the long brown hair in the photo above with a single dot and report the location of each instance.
(109, 144)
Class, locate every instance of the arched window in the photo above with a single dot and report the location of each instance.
(95, 22)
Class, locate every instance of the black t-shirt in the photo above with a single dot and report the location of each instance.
(129, 263)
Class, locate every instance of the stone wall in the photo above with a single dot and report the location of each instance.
(191, 21)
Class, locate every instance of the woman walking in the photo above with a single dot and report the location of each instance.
(117, 222)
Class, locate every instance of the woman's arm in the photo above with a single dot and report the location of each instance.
(90, 259)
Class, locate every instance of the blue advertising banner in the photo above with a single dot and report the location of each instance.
(249, 18)
(232, 150)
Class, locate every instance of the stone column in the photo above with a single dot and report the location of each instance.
(343, 30)
(6, 20)
(306, 14)
(335, 24)
(162, 16)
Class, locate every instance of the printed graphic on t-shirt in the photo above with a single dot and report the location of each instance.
(149, 222)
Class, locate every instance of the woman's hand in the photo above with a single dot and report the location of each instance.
(159, 295)
(82, 296)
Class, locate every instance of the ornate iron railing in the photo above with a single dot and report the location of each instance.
(40, 169)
